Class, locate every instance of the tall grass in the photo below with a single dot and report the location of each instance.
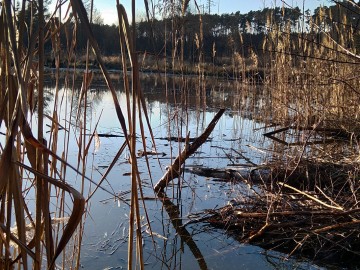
(311, 83)
(36, 167)
(311, 74)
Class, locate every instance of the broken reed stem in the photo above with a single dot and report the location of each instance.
(175, 169)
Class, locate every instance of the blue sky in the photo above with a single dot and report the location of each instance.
(108, 10)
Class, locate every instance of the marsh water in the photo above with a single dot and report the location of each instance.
(173, 110)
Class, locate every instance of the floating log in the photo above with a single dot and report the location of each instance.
(329, 135)
(105, 135)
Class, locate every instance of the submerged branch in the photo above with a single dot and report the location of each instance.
(173, 212)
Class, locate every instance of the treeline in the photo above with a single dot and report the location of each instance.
(214, 32)
(213, 35)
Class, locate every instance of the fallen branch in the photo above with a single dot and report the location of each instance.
(336, 226)
(175, 169)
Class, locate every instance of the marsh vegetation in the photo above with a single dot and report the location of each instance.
(247, 127)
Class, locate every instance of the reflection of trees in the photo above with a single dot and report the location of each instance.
(178, 98)
(248, 100)
(94, 96)
(217, 93)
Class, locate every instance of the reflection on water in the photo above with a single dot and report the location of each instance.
(174, 110)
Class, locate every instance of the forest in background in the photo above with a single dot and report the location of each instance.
(222, 36)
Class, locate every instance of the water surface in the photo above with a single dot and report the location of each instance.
(174, 110)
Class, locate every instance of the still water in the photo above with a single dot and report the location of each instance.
(173, 111)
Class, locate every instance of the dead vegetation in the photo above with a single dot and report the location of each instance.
(318, 220)
(304, 200)
(36, 174)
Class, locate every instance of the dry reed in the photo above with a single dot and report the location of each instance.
(22, 81)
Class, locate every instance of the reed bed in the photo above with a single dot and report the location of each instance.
(42, 215)
(310, 75)
(304, 200)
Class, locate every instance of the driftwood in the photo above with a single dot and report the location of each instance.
(189, 149)
(321, 235)
(329, 135)
(318, 220)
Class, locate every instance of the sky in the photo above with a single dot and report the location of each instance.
(107, 8)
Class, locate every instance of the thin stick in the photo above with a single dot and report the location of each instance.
(311, 197)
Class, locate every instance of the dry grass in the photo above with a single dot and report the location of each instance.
(310, 77)
(33, 166)
(309, 205)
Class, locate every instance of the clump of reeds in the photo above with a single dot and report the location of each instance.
(310, 73)
(32, 166)
(309, 204)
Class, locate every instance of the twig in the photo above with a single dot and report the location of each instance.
(258, 233)
(327, 197)
(335, 226)
(311, 197)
